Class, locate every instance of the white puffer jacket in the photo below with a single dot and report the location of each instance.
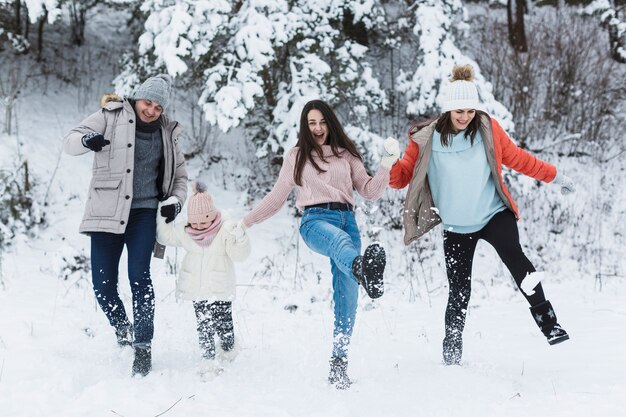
(207, 273)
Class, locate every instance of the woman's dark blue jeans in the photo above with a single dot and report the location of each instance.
(106, 250)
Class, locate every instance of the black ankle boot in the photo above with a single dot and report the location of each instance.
(545, 317)
(207, 345)
(227, 342)
(143, 361)
(124, 335)
(339, 373)
(452, 348)
(369, 268)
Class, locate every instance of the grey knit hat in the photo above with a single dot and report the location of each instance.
(157, 89)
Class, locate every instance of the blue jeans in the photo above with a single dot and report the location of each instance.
(106, 249)
(335, 234)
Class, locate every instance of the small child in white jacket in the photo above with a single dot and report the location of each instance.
(207, 276)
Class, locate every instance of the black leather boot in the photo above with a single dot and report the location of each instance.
(545, 317)
(143, 361)
(369, 268)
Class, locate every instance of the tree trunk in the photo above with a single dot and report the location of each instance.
(517, 31)
(42, 21)
(17, 5)
(355, 31)
(26, 31)
(617, 40)
(77, 18)
(268, 88)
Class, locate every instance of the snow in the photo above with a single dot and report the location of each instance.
(436, 25)
(531, 281)
(59, 357)
(596, 6)
(57, 345)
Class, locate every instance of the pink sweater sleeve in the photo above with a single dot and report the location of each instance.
(276, 198)
(371, 188)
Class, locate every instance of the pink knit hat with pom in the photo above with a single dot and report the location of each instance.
(200, 208)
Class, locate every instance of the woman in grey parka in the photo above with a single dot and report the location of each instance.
(137, 163)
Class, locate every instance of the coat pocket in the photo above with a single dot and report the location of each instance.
(102, 158)
(104, 197)
(187, 285)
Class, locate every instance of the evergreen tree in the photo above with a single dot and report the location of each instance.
(258, 61)
(436, 25)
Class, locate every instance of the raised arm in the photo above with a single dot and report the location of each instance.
(237, 247)
(72, 142)
(276, 198)
(402, 171)
(169, 234)
(520, 160)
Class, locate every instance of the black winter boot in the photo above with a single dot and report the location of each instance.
(452, 348)
(207, 345)
(222, 312)
(339, 373)
(124, 335)
(545, 317)
(369, 268)
(143, 361)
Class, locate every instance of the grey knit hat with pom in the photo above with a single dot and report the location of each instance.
(157, 89)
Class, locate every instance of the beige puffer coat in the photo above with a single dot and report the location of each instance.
(111, 186)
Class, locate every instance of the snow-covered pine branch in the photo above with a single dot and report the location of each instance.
(436, 26)
(259, 63)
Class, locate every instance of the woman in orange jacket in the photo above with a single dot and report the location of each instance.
(453, 167)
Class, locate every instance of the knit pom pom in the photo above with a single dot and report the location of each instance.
(462, 72)
(198, 187)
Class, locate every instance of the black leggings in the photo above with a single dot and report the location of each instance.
(214, 318)
(501, 233)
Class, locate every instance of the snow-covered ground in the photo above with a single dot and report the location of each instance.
(59, 357)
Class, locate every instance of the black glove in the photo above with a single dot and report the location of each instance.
(95, 141)
(170, 212)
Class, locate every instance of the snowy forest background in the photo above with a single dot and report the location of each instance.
(552, 72)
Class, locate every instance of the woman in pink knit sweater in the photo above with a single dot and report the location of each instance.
(325, 167)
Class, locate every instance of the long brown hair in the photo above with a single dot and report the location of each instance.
(337, 138)
(420, 124)
(445, 127)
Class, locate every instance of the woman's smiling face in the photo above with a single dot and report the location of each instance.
(317, 126)
(461, 118)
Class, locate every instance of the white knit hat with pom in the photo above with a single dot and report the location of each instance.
(200, 208)
(461, 92)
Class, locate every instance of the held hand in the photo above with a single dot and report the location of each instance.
(94, 141)
(239, 231)
(391, 152)
(566, 183)
(170, 211)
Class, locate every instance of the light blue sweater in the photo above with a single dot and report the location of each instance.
(461, 184)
